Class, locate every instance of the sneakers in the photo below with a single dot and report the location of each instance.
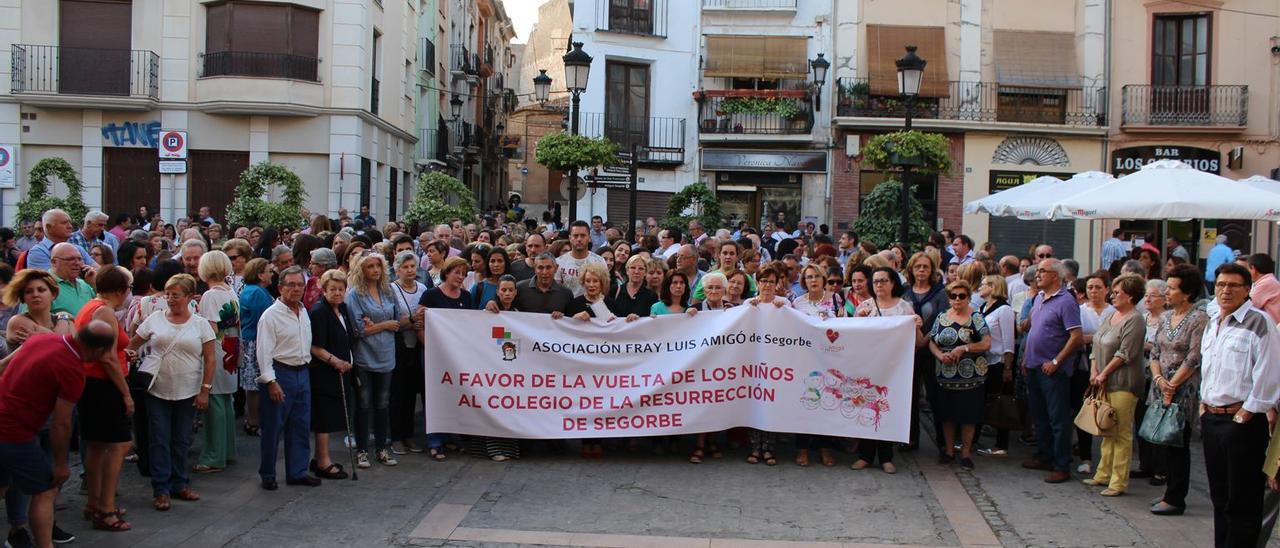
(19, 537)
(993, 452)
(362, 460)
(384, 457)
(399, 448)
(60, 536)
(412, 447)
(1085, 467)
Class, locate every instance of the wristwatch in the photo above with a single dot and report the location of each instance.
(1054, 362)
(207, 386)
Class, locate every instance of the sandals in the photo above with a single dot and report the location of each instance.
(205, 469)
(436, 453)
(753, 458)
(333, 472)
(828, 457)
(116, 526)
(187, 494)
(252, 429)
(769, 459)
(802, 458)
(860, 465)
(161, 503)
(696, 456)
(89, 512)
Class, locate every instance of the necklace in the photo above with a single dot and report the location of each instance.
(1172, 333)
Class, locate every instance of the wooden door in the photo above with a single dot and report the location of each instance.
(94, 41)
(131, 178)
(212, 180)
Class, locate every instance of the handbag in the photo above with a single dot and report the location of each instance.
(1005, 412)
(151, 363)
(1162, 424)
(1096, 415)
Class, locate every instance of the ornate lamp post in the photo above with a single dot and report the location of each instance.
(577, 67)
(910, 74)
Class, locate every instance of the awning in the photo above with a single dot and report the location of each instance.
(771, 57)
(1036, 59)
(887, 43)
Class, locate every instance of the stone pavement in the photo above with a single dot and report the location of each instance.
(635, 499)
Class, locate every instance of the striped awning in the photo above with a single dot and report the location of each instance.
(769, 57)
(1036, 59)
(887, 43)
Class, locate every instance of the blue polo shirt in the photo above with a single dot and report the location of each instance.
(1052, 319)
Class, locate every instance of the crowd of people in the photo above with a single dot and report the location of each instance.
(148, 334)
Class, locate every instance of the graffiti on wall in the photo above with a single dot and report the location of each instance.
(136, 134)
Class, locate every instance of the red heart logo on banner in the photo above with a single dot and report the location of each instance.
(832, 335)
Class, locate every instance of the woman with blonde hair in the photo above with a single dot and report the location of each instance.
(221, 307)
(35, 289)
(928, 297)
(973, 273)
(1000, 320)
(377, 317)
(655, 274)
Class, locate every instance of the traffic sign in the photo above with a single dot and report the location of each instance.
(608, 178)
(7, 172)
(524, 171)
(173, 166)
(173, 145)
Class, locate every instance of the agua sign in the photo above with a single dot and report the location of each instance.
(520, 375)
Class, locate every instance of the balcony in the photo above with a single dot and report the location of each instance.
(749, 5)
(659, 141)
(1223, 108)
(427, 57)
(462, 62)
(433, 144)
(981, 102)
(85, 77)
(260, 65)
(639, 17)
(754, 112)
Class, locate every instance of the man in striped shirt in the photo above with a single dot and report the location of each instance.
(1240, 383)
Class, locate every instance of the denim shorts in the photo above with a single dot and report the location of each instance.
(24, 466)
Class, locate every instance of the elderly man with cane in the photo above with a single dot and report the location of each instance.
(284, 351)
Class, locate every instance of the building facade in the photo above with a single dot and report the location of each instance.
(324, 87)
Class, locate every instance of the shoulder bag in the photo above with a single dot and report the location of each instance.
(1096, 415)
(1162, 424)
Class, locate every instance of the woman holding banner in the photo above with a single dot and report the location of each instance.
(886, 300)
(767, 283)
(492, 448)
(816, 301)
(959, 340)
(591, 304)
(715, 288)
(448, 295)
(630, 299)
(675, 295)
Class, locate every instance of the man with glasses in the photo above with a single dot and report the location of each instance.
(1239, 384)
(284, 351)
(1044, 251)
(1052, 340)
(73, 292)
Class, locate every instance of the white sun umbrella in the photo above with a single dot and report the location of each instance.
(1031, 206)
(994, 203)
(1258, 181)
(1169, 190)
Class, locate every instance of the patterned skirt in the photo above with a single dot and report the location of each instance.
(248, 365)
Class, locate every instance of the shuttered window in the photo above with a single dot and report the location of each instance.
(887, 43)
(769, 57)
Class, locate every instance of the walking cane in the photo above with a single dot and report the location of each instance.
(350, 450)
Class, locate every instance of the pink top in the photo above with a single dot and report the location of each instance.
(1266, 295)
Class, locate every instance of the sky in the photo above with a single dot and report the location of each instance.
(523, 14)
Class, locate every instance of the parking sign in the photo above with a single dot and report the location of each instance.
(173, 145)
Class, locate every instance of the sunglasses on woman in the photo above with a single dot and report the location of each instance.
(833, 281)
(957, 296)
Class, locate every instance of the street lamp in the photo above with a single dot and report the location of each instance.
(577, 67)
(820, 67)
(910, 74)
(542, 86)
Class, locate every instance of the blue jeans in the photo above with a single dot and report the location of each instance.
(290, 419)
(1048, 396)
(375, 400)
(171, 436)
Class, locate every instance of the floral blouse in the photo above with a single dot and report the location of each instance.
(971, 370)
(1175, 347)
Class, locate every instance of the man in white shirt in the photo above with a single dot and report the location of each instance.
(1009, 268)
(580, 254)
(284, 351)
(1240, 383)
(963, 246)
(669, 242)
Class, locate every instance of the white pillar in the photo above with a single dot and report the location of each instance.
(91, 160)
(345, 147)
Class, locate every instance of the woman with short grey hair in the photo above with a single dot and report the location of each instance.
(322, 260)
(407, 381)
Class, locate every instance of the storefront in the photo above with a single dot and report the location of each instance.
(758, 186)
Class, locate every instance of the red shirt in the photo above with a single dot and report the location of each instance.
(47, 368)
(94, 369)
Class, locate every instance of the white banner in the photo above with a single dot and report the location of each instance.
(520, 375)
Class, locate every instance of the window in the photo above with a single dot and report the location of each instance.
(631, 16)
(1180, 50)
(264, 40)
(375, 69)
(626, 108)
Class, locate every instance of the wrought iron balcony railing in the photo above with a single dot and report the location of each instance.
(262, 65)
(659, 140)
(1220, 106)
(764, 113)
(981, 102)
(41, 69)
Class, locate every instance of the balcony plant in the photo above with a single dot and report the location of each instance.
(249, 209)
(930, 151)
(694, 202)
(439, 198)
(880, 215)
(38, 200)
(564, 152)
(780, 106)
